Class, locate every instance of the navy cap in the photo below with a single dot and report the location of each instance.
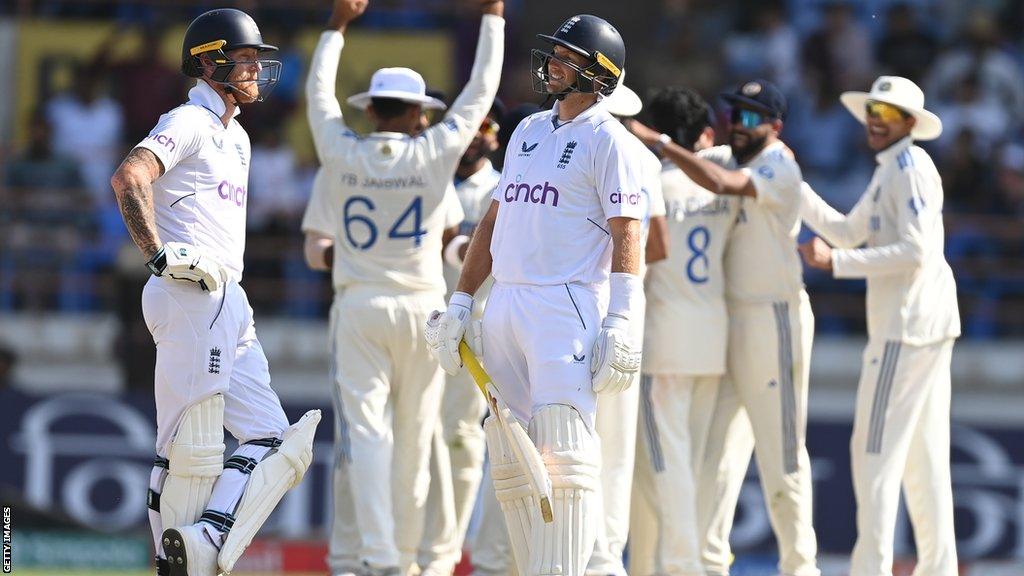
(760, 95)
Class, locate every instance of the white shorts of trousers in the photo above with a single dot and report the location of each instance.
(206, 344)
(537, 342)
(382, 367)
(616, 430)
(727, 450)
(768, 362)
(676, 413)
(901, 435)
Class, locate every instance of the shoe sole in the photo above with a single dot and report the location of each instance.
(174, 551)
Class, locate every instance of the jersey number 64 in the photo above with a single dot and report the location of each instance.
(361, 230)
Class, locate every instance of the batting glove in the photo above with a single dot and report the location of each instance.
(185, 262)
(446, 329)
(615, 360)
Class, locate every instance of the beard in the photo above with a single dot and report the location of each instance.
(745, 145)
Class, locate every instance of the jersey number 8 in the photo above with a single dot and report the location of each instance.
(698, 241)
(412, 229)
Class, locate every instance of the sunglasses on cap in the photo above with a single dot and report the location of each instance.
(884, 112)
(749, 119)
(488, 127)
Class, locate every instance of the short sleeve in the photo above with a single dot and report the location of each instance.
(619, 175)
(777, 180)
(318, 211)
(175, 137)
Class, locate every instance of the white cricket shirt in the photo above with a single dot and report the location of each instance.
(687, 322)
(560, 184)
(383, 195)
(911, 294)
(474, 196)
(653, 199)
(201, 197)
(761, 261)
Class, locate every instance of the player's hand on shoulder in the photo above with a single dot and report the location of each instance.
(445, 330)
(188, 263)
(615, 358)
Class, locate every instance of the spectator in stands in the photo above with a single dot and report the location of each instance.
(966, 175)
(38, 166)
(275, 204)
(840, 53)
(972, 110)
(999, 76)
(1010, 180)
(145, 85)
(8, 359)
(771, 50)
(88, 126)
(907, 48)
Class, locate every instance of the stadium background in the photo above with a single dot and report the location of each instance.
(82, 81)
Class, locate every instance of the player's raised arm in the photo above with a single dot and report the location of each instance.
(471, 106)
(322, 108)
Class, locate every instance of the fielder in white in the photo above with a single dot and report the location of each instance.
(683, 367)
(562, 238)
(770, 321)
(617, 415)
(462, 407)
(377, 223)
(182, 194)
(901, 425)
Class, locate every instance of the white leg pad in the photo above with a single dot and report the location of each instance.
(512, 490)
(572, 458)
(272, 477)
(196, 461)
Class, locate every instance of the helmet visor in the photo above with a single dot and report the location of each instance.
(593, 78)
(258, 77)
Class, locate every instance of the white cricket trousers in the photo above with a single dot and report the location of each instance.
(901, 435)
(206, 344)
(388, 393)
(768, 364)
(676, 414)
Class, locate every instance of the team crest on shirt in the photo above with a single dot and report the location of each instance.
(385, 149)
(570, 147)
(241, 154)
(214, 366)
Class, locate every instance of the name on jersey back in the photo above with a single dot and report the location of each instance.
(390, 183)
(679, 209)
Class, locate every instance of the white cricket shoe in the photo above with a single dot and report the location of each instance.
(189, 552)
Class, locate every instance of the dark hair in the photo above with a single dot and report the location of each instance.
(681, 113)
(388, 108)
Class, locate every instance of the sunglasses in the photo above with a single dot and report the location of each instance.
(748, 118)
(488, 127)
(884, 112)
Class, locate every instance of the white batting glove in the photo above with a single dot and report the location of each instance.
(446, 329)
(185, 262)
(615, 358)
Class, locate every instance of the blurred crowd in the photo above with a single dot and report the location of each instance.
(60, 214)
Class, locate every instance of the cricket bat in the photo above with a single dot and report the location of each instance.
(522, 446)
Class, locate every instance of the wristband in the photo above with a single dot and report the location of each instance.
(461, 299)
(626, 295)
(663, 140)
(158, 263)
(451, 251)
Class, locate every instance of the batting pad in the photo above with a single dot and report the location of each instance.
(272, 477)
(196, 461)
(512, 489)
(572, 458)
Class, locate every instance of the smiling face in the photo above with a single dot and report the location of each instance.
(560, 75)
(886, 124)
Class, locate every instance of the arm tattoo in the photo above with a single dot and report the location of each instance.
(133, 186)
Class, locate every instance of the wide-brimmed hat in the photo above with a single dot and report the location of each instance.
(623, 101)
(397, 83)
(901, 93)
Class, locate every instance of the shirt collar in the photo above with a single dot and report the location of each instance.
(889, 154)
(765, 150)
(595, 108)
(203, 95)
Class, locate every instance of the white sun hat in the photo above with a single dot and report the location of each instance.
(623, 102)
(903, 94)
(400, 84)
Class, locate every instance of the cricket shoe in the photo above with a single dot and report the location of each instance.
(189, 552)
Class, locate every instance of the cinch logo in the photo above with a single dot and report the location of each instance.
(229, 191)
(537, 194)
(619, 198)
(164, 140)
